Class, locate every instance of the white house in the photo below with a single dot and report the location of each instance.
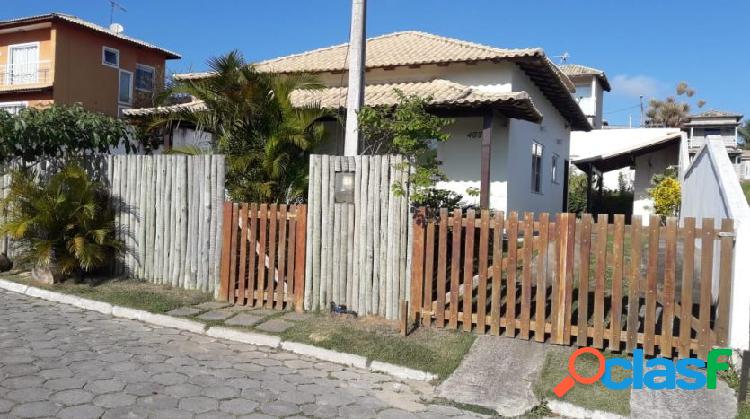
(513, 110)
(591, 84)
(718, 125)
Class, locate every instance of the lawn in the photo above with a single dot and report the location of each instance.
(594, 396)
(429, 349)
(127, 293)
(746, 189)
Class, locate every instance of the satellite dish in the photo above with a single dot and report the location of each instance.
(116, 28)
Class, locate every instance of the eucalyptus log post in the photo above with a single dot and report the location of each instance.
(313, 280)
(331, 212)
(350, 223)
(377, 243)
(372, 193)
(383, 188)
(219, 216)
(167, 220)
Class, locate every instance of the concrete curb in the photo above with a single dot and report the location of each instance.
(401, 372)
(219, 332)
(244, 337)
(13, 286)
(573, 411)
(325, 354)
(174, 322)
(130, 313)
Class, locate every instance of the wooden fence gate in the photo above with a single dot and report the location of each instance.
(563, 278)
(263, 255)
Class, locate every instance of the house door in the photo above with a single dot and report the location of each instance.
(23, 61)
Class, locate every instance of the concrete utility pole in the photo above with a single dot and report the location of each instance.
(356, 90)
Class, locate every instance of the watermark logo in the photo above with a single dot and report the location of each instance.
(662, 373)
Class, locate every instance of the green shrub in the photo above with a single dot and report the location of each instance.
(64, 224)
(666, 194)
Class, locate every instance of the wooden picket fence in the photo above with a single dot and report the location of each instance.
(606, 284)
(263, 256)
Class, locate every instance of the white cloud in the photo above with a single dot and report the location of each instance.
(634, 86)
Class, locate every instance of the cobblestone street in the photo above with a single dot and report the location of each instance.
(57, 360)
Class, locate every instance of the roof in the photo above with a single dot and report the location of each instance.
(442, 94)
(713, 113)
(413, 48)
(574, 71)
(610, 149)
(89, 25)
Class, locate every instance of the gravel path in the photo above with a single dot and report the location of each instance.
(57, 360)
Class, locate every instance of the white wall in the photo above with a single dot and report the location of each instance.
(711, 189)
(646, 166)
(183, 136)
(554, 134)
(590, 97)
(510, 170)
(461, 157)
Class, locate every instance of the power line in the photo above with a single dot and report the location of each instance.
(622, 110)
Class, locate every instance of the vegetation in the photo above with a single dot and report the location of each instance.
(126, 293)
(59, 132)
(671, 112)
(666, 193)
(744, 133)
(427, 349)
(64, 224)
(746, 188)
(577, 193)
(407, 129)
(250, 114)
(594, 396)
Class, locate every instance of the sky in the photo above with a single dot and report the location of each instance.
(645, 47)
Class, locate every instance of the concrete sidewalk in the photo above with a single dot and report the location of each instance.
(499, 373)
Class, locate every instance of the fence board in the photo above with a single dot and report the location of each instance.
(455, 265)
(541, 278)
(601, 269)
(468, 270)
(618, 244)
(262, 236)
(484, 238)
(634, 282)
(583, 280)
(510, 303)
(252, 237)
(527, 254)
(244, 218)
(668, 298)
(725, 281)
(429, 266)
(686, 296)
(707, 254)
(649, 323)
(442, 267)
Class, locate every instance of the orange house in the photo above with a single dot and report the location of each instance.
(58, 58)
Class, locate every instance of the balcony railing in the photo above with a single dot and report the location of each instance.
(697, 142)
(25, 74)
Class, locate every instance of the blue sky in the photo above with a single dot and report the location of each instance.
(646, 47)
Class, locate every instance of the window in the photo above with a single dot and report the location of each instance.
(555, 159)
(536, 167)
(12, 107)
(144, 78)
(582, 91)
(23, 63)
(110, 57)
(711, 131)
(126, 87)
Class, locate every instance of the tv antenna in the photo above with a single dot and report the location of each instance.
(113, 4)
(563, 58)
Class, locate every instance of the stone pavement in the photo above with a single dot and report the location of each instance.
(58, 360)
(263, 320)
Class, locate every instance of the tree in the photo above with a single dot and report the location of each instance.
(63, 225)
(671, 112)
(407, 129)
(59, 131)
(577, 187)
(666, 193)
(266, 139)
(744, 133)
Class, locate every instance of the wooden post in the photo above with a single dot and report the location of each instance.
(299, 255)
(484, 188)
(404, 317)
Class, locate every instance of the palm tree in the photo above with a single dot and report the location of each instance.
(250, 114)
(670, 112)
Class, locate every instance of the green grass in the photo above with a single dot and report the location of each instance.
(427, 349)
(594, 396)
(746, 189)
(127, 293)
